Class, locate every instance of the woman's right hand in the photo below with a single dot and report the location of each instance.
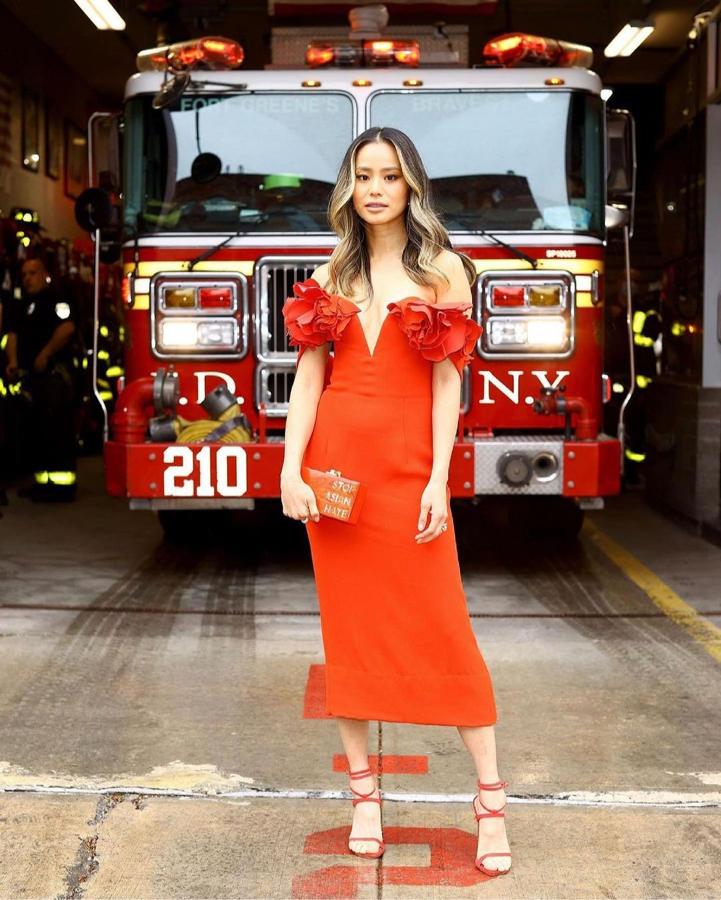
(297, 498)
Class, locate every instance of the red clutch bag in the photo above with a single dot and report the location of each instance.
(337, 497)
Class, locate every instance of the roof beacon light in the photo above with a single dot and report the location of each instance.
(516, 49)
(334, 53)
(403, 53)
(386, 52)
(201, 53)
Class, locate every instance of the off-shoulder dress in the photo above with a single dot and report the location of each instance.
(397, 636)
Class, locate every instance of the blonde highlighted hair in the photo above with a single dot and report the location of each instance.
(427, 236)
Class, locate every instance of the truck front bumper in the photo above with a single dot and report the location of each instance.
(167, 476)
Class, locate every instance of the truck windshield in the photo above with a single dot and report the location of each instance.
(261, 162)
(506, 161)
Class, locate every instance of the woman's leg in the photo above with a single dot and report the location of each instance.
(481, 744)
(366, 816)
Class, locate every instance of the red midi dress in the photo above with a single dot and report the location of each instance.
(397, 637)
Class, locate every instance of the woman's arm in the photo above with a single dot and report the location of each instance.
(446, 384)
(446, 377)
(446, 409)
(303, 406)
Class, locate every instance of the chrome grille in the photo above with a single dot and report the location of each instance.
(274, 278)
(272, 387)
(466, 387)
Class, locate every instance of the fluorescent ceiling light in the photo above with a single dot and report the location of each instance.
(628, 39)
(102, 14)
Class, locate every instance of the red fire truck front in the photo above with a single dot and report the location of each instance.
(227, 175)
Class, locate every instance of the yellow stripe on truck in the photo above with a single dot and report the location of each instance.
(152, 267)
(246, 267)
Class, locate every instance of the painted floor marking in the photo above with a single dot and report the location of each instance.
(392, 764)
(665, 598)
(631, 798)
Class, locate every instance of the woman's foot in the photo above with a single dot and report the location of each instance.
(492, 829)
(366, 815)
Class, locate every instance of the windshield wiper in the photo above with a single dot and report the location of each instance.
(211, 250)
(514, 250)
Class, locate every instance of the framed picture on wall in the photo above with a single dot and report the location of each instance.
(30, 131)
(76, 160)
(53, 142)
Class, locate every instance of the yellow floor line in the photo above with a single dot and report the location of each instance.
(666, 599)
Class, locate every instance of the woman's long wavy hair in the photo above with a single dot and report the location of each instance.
(426, 234)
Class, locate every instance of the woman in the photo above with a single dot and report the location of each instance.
(398, 640)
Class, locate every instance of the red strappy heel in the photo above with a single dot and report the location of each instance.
(487, 815)
(366, 798)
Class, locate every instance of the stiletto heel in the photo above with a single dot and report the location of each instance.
(487, 815)
(366, 798)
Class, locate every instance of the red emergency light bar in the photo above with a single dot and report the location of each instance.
(201, 53)
(516, 49)
(387, 52)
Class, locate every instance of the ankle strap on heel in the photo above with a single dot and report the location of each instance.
(496, 785)
(363, 798)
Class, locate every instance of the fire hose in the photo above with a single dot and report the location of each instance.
(226, 424)
(132, 421)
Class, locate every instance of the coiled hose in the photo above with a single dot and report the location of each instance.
(226, 423)
(228, 428)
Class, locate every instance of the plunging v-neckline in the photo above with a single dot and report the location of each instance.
(371, 355)
(357, 310)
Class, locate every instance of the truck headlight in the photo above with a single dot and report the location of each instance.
(507, 331)
(217, 334)
(548, 333)
(190, 334)
(199, 315)
(178, 334)
(526, 313)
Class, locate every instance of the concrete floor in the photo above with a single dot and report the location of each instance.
(160, 733)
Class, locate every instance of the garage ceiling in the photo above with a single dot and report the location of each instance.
(106, 59)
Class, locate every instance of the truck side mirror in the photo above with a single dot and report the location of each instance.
(99, 207)
(93, 209)
(620, 166)
(104, 151)
(615, 217)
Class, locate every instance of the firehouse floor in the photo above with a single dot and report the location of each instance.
(162, 734)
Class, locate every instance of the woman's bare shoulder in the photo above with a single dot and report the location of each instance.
(457, 287)
(449, 262)
(321, 274)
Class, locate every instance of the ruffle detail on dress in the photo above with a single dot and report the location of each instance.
(438, 331)
(313, 316)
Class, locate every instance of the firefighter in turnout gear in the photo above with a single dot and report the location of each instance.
(39, 354)
(647, 329)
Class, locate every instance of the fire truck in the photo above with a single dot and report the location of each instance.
(225, 181)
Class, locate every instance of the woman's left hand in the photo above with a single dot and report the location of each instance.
(433, 501)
